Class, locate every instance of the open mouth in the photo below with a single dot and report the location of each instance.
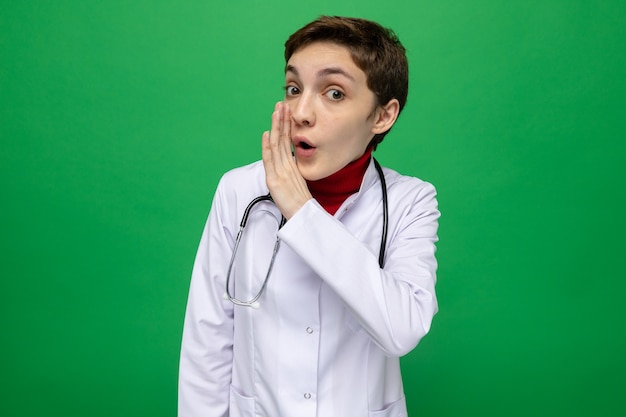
(302, 147)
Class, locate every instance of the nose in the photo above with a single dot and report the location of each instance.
(302, 110)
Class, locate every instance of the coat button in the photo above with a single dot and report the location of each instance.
(307, 396)
(309, 330)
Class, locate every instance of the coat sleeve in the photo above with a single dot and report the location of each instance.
(207, 342)
(394, 305)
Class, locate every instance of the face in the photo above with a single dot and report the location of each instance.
(334, 114)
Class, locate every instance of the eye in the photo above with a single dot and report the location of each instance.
(335, 94)
(292, 90)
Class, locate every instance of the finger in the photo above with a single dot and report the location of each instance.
(276, 125)
(266, 153)
(270, 142)
(286, 131)
(281, 138)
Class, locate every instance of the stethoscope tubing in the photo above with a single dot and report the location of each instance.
(383, 239)
(267, 197)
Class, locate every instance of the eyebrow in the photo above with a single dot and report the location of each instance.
(323, 72)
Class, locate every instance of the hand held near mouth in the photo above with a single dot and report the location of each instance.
(284, 181)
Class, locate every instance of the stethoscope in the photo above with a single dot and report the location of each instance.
(253, 302)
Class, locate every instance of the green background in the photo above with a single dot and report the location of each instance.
(117, 119)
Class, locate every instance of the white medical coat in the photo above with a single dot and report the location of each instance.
(331, 325)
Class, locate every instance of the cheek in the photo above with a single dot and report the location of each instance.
(345, 124)
(351, 129)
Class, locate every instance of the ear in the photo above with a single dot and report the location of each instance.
(386, 116)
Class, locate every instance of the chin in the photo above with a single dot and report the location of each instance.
(311, 174)
(309, 177)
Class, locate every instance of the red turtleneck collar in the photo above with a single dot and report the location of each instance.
(333, 190)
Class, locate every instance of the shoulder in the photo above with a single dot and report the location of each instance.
(405, 187)
(247, 173)
(245, 180)
(240, 185)
(412, 203)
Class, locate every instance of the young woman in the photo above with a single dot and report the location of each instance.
(307, 312)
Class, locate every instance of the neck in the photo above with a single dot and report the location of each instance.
(333, 190)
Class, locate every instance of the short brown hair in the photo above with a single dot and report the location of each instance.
(376, 50)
